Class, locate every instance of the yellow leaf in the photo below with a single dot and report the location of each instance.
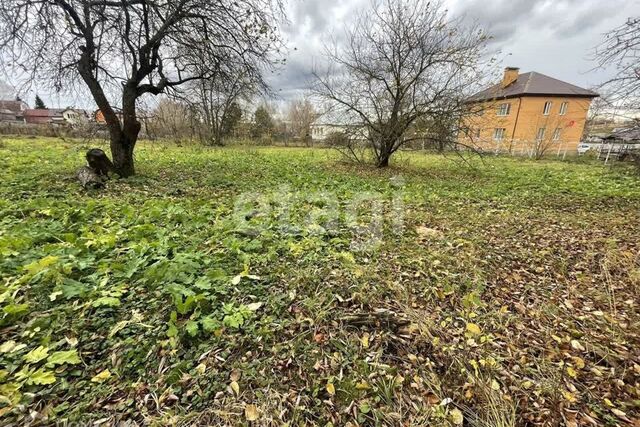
(571, 372)
(102, 376)
(495, 385)
(365, 340)
(579, 362)
(527, 385)
(363, 385)
(608, 403)
(456, 417)
(570, 397)
(251, 413)
(201, 368)
(331, 389)
(235, 387)
(473, 329)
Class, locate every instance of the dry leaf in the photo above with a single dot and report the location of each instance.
(235, 387)
(456, 416)
(331, 389)
(474, 329)
(365, 340)
(251, 413)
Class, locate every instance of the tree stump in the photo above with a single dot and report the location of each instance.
(89, 178)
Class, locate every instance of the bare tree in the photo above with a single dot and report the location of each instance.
(171, 118)
(125, 49)
(621, 51)
(402, 61)
(301, 116)
(215, 102)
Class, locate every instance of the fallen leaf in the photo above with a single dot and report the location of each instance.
(235, 387)
(456, 416)
(251, 412)
(473, 329)
(575, 344)
(331, 389)
(365, 340)
(101, 377)
(254, 306)
(579, 362)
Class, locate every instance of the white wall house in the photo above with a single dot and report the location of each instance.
(75, 117)
(321, 131)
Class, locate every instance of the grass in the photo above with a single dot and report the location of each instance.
(508, 298)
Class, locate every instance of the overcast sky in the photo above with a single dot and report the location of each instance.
(553, 37)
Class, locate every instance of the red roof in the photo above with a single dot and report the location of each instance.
(37, 113)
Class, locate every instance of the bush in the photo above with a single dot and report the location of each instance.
(337, 139)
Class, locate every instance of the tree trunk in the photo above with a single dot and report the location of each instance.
(123, 142)
(122, 154)
(383, 160)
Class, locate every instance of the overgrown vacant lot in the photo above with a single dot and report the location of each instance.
(510, 297)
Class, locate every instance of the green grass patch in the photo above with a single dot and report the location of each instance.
(509, 297)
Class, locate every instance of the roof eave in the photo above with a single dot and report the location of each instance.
(536, 95)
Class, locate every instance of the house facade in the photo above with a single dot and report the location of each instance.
(528, 111)
(12, 111)
(44, 116)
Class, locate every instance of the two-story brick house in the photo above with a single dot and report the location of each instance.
(529, 108)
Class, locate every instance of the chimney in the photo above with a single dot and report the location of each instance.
(510, 76)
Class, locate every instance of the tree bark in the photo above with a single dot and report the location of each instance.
(123, 142)
(122, 154)
(383, 161)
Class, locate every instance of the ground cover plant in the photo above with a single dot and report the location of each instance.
(507, 296)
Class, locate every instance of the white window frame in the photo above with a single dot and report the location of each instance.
(563, 108)
(556, 134)
(504, 109)
(540, 134)
(547, 108)
(498, 134)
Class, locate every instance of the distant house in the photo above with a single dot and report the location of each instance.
(74, 117)
(12, 111)
(624, 135)
(321, 131)
(529, 107)
(45, 116)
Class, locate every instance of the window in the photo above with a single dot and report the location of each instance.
(498, 134)
(563, 108)
(547, 108)
(504, 109)
(540, 135)
(556, 134)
